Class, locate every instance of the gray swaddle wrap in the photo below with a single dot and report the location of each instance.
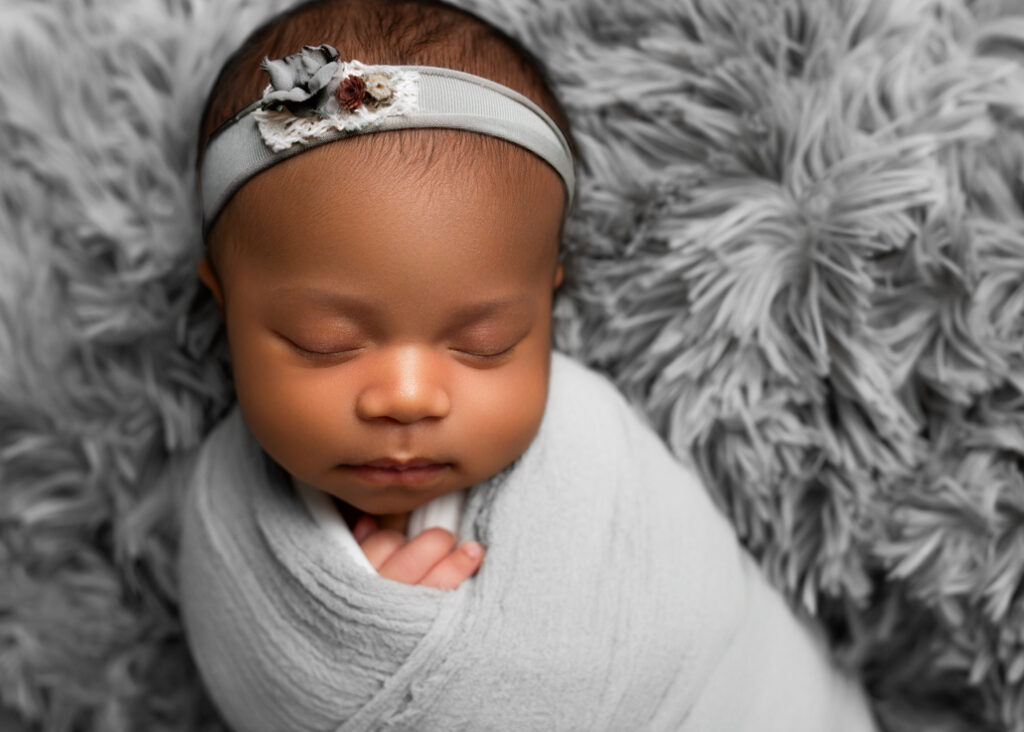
(613, 596)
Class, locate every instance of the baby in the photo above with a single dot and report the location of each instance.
(383, 229)
(387, 297)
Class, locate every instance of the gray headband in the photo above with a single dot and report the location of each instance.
(315, 98)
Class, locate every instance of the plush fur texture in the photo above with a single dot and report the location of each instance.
(797, 248)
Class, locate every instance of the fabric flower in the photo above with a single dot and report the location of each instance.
(351, 91)
(313, 93)
(301, 82)
(378, 85)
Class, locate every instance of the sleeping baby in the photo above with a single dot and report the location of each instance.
(384, 186)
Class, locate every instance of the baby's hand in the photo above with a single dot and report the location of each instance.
(431, 559)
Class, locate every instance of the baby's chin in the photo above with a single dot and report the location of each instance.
(389, 503)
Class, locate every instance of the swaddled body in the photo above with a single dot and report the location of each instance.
(614, 596)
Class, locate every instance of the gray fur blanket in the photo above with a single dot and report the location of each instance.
(797, 249)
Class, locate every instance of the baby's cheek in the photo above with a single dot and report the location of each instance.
(511, 415)
(289, 410)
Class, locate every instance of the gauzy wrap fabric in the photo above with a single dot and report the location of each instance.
(613, 596)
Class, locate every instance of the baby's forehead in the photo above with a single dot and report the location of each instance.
(235, 248)
(434, 157)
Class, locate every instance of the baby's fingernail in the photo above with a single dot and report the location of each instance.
(473, 550)
(363, 528)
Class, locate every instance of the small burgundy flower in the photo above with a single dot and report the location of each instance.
(351, 91)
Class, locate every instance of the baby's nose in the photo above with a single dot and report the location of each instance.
(406, 385)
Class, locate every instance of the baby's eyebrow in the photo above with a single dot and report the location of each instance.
(346, 304)
(371, 310)
(473, 312)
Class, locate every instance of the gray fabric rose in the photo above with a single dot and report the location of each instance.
(302, 82)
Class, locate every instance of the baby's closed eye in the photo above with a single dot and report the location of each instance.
(323, 348)
(488, 343)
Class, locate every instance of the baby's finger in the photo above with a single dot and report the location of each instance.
(381, 545)
(458, 566)
(410, 563)
(364, 527)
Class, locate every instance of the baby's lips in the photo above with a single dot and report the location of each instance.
(399, 464)
(415, 473)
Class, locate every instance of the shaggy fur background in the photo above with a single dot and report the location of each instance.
(799, 248)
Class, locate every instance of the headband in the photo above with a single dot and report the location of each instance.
(314, 98)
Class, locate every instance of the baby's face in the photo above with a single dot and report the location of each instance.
(389, 333)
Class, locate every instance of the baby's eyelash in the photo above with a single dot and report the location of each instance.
(315, 355)
(328, 358)
(479, 355)
(497, 356)
(326, 354)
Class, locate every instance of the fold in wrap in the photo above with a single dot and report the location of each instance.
(613, 596)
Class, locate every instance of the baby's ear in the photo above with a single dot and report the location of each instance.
(559, 275)
(209, 278)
